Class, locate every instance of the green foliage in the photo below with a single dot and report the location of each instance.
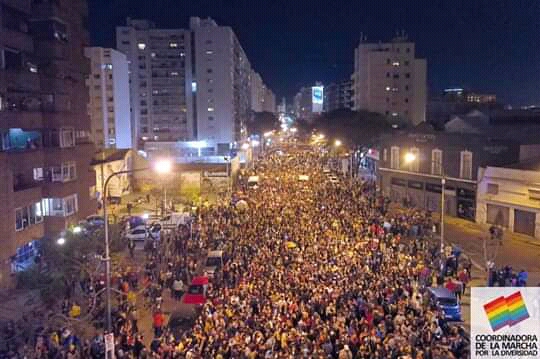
(262, 122)
(351, 127)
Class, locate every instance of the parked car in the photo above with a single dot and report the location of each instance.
(137, 234)
(196, 293)
(447, 302)
(95, 220)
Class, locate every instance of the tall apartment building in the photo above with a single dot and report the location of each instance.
(187, 85)
(389, 79)
(308, 103)
(338, 96)
(262, 98)
(109, 107)
(45, 147)
(157, 67)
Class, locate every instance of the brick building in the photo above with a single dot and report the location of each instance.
(45, 150)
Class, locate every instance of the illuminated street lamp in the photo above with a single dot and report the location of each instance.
(245, 146)
(293, 130)
(255, 143)
(161, 166)
(410, 158)
(268, 134)
(337, 143)
(61, 241)
(77, 229)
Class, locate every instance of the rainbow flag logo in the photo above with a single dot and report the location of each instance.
(504, 311)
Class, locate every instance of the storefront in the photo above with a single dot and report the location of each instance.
(466, 203)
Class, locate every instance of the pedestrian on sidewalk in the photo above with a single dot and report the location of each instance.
(464, 278)
(523, 276)
(158, 320)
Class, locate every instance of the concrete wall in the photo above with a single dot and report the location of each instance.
(513, 193)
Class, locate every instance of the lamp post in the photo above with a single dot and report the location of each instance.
(410, 158)
(161, 167)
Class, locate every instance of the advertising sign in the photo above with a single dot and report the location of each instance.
(317, 98)
(505, 322)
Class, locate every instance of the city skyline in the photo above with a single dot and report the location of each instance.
(293, 45)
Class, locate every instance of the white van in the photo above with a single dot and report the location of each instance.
(214, 263)
(253, 181)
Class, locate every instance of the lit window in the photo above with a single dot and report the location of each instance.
(210, 109)
(395, 63)
(465, 168)
(38, 174)
(173, 45)
(209, 52)
(387, 88)
(436, 162)
(193, 86)
(394, 157)
(414, 166)
(32, 68)
(174, 73)
(141, 45)
(106, 66)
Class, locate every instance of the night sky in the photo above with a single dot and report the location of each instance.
(484, 45)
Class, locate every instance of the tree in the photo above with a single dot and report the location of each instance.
(262, 122)
(351, 127)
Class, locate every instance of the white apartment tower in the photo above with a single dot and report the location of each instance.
(109, 107)
(187, 85)
(157, 67)
(262, 98)
(389, 79)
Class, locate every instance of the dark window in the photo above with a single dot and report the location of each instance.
(50, 30)
(416, 185)
(125, 42)
(388, 74)
(396, 76)
(406, 100)
(12, 60)
(406, 87)
(388, 61)
(399, 182)
(210, 118)
(408, 50)
(408, 75)
(406, 62)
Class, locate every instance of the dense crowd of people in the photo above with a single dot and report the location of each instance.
(313, 269)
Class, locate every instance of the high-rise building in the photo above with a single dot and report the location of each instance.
(309, 102)
(157, 67)
(338, 96)
(109, 107)
(45, 147)
(187, 85)
(389, 79)
(262, 98)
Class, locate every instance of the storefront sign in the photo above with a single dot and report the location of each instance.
(416, 185)
(399, 182)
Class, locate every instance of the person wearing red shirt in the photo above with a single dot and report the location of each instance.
(158, 321)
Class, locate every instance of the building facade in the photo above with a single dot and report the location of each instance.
(158, 65)
(456, 157)
(338, 96)
(390, 80)
(510, 197)
(45, 146)
(308, 103)
(188, 84)
(109, 106)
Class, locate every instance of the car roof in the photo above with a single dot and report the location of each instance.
(441, 292)
(215, 253)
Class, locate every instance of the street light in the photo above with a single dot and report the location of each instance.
(77, 229)
(161, 166)
(61, 241)
(337, 143)
(410, 158)
(245, 146)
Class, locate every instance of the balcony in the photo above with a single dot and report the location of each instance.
(20, 183)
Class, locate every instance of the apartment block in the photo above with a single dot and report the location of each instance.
(262, 98)
(109, 107)
(45, 145)
(187, 85)
(389, 79)
(338, 96)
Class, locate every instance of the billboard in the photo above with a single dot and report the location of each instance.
(317, 98)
